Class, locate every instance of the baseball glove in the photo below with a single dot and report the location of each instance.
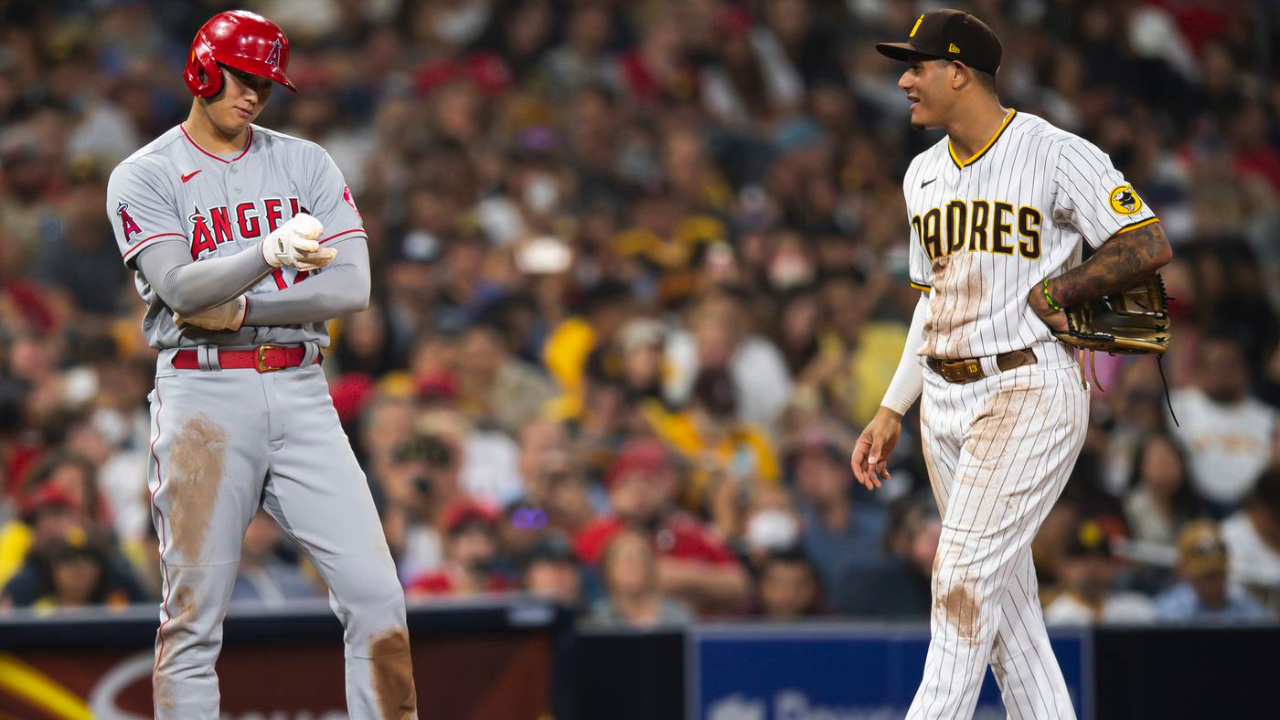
(1130, 322)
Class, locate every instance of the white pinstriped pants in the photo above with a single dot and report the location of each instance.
(999, 452)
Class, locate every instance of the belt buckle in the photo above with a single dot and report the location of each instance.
(262, 366)
(961, 372)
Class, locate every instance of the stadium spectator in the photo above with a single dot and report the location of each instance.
(550, 570)
(715, 443)
(1227, 431)
(843, 528)
(629, 570)
(62, 493)
(582, 59)
(1136, 409)
(560, 490)
(1252, 537)
(1161, 498)
(264, 576)
(769, 524)
(49, 513)
(901, 586)
(495, 387)
(1087, 594)
(578, 345)
(789, 587)
(471, 554)
(640, 341)
(79, 264)
(77, 569)
(693, 564)
(1204, 594)
(719, 337)
(419, 479)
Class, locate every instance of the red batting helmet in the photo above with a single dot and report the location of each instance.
(241, 40)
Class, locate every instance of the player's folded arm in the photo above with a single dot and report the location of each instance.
(1116, 302)
(188, 287)
(341, 288)
(1124, 260)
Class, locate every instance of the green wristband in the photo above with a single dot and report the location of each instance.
(1049, 298)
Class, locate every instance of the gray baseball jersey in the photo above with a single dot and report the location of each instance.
(173, 190)
(226, 441)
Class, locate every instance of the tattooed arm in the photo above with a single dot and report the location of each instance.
(1120, 263)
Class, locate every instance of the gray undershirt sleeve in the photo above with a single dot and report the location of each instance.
(188, 287)
(340, 288)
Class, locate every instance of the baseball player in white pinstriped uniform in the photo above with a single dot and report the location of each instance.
(997, 211)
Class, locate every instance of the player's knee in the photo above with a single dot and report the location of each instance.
(957, 595)
(959, 605)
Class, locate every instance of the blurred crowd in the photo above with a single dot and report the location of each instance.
(640, 278)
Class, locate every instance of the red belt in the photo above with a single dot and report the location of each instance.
(264, 358)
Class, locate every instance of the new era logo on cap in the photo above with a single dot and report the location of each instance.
(949, 35)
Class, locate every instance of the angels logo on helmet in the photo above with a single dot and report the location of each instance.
(273, 57)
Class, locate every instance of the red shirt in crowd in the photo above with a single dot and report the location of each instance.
(681, 537)
(440, 582)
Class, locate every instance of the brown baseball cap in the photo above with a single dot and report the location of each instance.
(1201, 550)
(949, 35)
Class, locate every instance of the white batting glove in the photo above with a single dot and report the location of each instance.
(227, 316)
(297, 239)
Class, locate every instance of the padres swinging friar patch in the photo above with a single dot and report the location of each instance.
(1125, 201)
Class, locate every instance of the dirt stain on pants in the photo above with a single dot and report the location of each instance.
(960, 609)
(392, 669)
(195, 476)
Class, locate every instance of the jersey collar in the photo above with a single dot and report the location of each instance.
(978, 155)
(247, 145)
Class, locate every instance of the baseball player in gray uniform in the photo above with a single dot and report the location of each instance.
(245, 242)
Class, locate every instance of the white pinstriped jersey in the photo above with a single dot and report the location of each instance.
(986, 230)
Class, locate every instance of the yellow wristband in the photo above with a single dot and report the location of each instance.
(1049, 298)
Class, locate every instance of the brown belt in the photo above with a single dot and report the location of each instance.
(969, 369)
(264, 358)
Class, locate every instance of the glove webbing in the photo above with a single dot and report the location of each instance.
(1093, 370)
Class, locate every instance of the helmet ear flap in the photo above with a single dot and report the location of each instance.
(203, 76)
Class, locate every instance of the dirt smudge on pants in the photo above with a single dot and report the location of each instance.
(181, 614)
(960, 609)
(196, 460)
(988, 441)
(392, 669)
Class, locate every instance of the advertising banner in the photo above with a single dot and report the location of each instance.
(491, 663)
(835, 672)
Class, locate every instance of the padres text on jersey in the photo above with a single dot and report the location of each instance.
(984, 230)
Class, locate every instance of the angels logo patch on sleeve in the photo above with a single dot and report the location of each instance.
(346, 195)
(128, 224)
